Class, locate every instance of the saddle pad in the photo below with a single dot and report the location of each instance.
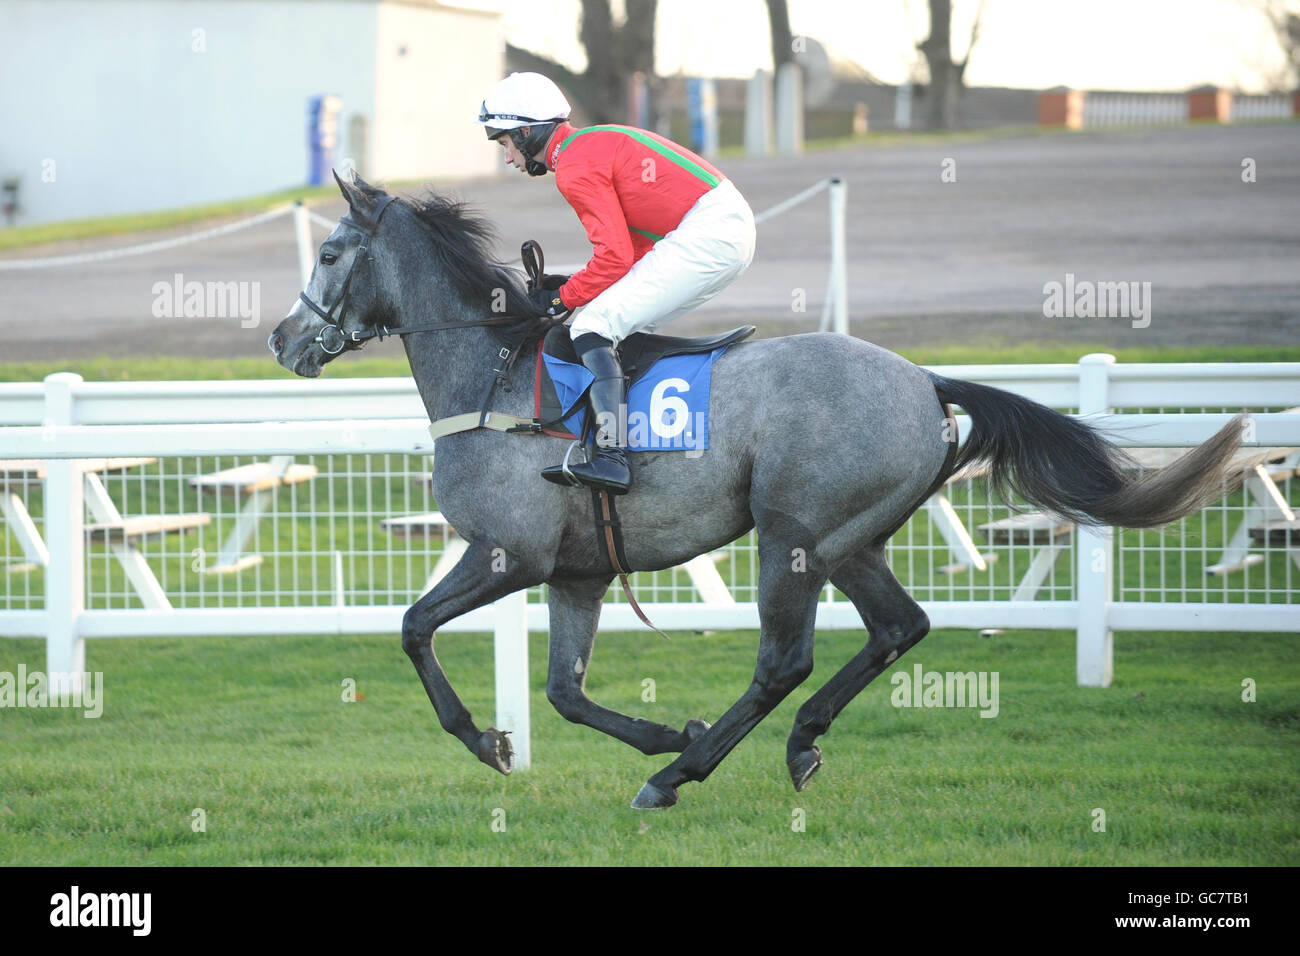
(667, 407)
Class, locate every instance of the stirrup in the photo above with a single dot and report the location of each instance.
(560, 474)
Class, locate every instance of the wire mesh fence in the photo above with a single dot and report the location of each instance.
(365, 530)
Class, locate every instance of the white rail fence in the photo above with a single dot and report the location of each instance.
(305, 507)
(1134, 109)
(1262, 107)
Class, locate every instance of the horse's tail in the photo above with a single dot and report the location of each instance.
(1063, 465)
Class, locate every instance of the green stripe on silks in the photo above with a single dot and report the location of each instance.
(645, 232)
(688, 164)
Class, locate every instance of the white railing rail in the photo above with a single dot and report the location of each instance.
(1134, 109)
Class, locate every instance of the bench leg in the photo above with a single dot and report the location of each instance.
(455, 549)
(141, 577)
(1264, 502)
(946, 521)
(128, 556)
(231, 557)
(24, 529)
(1039, 569)
(704, 575)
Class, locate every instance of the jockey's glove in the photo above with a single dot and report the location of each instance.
(547, 302)
(553, 282)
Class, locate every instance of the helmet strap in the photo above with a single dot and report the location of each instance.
(532, 166)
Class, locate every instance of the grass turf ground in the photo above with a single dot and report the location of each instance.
(256, 733)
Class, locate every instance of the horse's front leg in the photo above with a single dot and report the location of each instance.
(483, 574)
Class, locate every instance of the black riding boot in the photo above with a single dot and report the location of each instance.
(608, 467)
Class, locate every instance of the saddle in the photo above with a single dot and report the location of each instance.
(638, 353)
(641, 350)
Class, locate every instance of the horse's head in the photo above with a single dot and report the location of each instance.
(345, 293)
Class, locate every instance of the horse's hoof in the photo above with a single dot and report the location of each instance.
(494, 750)
(803, 766)
(653, 798)
(695, 729)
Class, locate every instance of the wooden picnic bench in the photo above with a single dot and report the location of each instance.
(119, 533)
(256, 483)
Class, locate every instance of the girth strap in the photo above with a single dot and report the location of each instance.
(494, 420)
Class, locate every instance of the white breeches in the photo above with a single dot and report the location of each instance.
(711, 247)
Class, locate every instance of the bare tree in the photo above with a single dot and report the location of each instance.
(778, 15)
(1284, 16)
(614, 54)
(943, 95)
(604, 91)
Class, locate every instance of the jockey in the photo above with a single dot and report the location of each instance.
(667, 229)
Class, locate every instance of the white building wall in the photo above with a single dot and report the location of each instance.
(433, 66)
(138, 105)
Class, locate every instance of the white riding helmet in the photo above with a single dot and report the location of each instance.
(524, 99)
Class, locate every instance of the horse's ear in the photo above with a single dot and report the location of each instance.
(361, 196)
(348, 188)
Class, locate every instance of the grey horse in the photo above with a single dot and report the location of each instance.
(823, 443)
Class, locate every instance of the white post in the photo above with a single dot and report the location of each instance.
(758, 114)
(511, 656)
(903, 105)
(1094, 649)
(709, 108)
(789, 110)
(65, 579)
(306, 250)
(338, 580)
(839, 197)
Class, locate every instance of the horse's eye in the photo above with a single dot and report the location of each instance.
(328, 258)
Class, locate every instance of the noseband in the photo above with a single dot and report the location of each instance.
(332, 339)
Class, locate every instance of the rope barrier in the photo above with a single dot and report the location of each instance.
(125, 251)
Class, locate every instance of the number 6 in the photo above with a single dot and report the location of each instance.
(661, 404)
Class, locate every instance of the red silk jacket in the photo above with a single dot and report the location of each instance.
(630, 188)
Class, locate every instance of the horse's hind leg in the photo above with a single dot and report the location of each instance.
(896, 623)
(787, 610)
(575, 610)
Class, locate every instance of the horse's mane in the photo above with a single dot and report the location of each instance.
(462, 245)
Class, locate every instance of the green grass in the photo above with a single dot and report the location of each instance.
(18, 237)
(183, 368)
(255, 733)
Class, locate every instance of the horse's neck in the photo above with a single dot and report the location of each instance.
(454, 369)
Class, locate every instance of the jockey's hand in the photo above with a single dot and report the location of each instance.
(553, 282)
(547, 302)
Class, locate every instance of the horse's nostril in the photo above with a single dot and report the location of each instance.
(275, 343)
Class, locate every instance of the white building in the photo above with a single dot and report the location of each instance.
(119, 106)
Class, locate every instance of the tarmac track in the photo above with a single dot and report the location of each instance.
(930, 262)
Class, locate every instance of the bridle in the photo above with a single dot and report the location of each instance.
(333, 339)
(332, 334)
